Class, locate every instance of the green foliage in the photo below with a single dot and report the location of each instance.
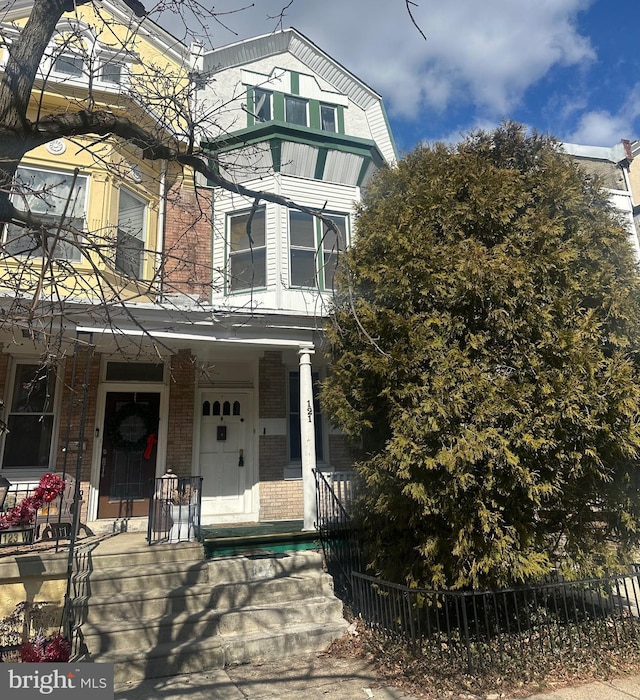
(484, 345)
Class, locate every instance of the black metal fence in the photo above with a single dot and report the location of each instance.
(340, 541)
(174, 509)
(474, 630)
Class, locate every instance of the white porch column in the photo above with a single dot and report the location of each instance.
(307, 438)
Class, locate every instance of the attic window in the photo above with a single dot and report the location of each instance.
(262, 105)
(328, 120)
(111, 73)
(295, 111)
(69, 65)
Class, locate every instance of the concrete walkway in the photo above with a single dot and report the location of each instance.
(320, 677)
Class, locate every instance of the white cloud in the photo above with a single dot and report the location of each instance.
(487, 53)
(605, 128)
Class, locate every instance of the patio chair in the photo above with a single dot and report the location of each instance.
(56, 518)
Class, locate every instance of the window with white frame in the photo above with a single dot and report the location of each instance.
(314, 249)
(58, 200)
(332, 245)
(303, 249)
(130, 237)
(295, 110)
(328, 118)
(247, 263)
(295, 444)
(30, 418)
(262, 105)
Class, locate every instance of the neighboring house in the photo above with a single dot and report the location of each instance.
(208, 368)
(634, 178)
(614, 167)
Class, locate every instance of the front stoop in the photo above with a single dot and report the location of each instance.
(164, 613)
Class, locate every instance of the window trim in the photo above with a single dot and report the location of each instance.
(268, 94)
(31, 472)
(70, 57)
(229, 290)
(334, 109)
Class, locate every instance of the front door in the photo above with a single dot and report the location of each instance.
(225, 452)
(129, 448)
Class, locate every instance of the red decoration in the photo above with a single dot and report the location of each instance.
(152, 440)
(49, 487)
(43, 649)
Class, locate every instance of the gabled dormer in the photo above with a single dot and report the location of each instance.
(291, 120)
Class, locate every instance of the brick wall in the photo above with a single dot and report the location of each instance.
(341, 453)
(71, 408)
(281, 500)
(187, 241)
(181, 413)
(273, 457)
(273, 385)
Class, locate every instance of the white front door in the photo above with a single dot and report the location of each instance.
(225, 453)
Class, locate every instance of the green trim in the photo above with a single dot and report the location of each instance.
(340, 110)
(363, 170)
(278, 106)
(250, 118)
(320, 163)
(265, 131)
(314, 114)
(295, 82)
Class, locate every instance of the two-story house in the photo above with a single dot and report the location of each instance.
(205, 358)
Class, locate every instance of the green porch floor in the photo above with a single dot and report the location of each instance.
(275, 536)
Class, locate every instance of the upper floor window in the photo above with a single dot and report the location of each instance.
(130, 239)
(314, 249)
(262, 105)
(328, 118)
(69, 65)
(111, 73)
(247, 263)
(50, 196)
(295, 110)
(30, 418)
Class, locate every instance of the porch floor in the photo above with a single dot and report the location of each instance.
(268, 536)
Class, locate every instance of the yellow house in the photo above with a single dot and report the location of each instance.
(98, 58)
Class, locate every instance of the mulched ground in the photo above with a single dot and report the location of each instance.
(437, 682)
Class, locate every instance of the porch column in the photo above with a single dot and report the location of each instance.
(307, 438)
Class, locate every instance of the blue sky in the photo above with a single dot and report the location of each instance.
(567, 67)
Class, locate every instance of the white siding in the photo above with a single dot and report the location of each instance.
(343, 167)
(298, 159)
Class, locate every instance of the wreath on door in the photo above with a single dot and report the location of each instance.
(129, 410)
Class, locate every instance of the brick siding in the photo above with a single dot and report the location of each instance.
(281, 500)
(181, 413)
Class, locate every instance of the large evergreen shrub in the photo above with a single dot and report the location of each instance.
(485, 342)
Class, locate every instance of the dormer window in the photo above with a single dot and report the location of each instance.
(262, 105)
(295, 111)
(69, 65)
(111, 73)
(328, 118)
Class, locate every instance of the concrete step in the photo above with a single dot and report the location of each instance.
(156, 603)
(169, 659)
(113, 552)
(201, 625)
(163, 575)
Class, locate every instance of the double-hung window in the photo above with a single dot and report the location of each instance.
(130, 241)
(30, 419)
(332, 245)
(58, 200)
(295, 110)
(247, 250)
(261, 105)
(314, 249)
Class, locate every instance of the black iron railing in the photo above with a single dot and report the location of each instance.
(174, 509)
(477, 629)
(339, 539)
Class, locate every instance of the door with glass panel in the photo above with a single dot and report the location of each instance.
(129, 451)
